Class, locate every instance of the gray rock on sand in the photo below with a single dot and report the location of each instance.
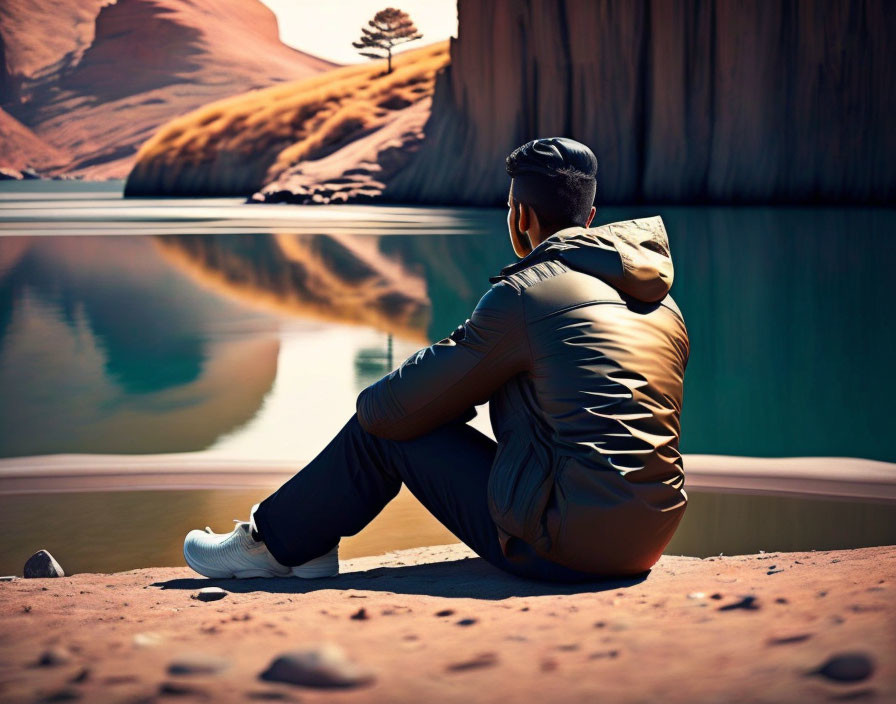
(210, 594)
(846, 667)
(323, 665)
(42, 564)
(197, 664)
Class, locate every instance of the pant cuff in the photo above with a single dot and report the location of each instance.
(258, 521)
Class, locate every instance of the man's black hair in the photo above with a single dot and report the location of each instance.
(557, 178)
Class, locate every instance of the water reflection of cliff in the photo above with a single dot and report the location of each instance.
(334, 278)
(104, 348)
(416, 288)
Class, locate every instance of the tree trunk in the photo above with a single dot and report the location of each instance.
(390, 61)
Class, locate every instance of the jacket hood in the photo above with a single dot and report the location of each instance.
(631, 255)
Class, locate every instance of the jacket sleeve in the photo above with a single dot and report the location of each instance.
(439, 383)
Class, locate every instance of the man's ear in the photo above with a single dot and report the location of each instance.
(519, 239)
(525, 217)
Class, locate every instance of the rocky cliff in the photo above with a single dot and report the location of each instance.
(682, 100)
(94, 78)
(21, 148)
(333, 137)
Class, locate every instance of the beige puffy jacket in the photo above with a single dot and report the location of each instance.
(581, 352)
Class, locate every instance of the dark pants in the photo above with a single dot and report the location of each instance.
(350, 481)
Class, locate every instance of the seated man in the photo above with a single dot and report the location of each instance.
(581, 353)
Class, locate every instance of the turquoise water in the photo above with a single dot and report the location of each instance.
(145, 326)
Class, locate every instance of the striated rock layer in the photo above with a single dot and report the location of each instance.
(95, 78)
(682, 100)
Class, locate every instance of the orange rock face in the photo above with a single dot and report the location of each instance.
(95, 79)
(21, 148)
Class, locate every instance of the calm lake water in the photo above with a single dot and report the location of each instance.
(144, 326)
(155, 326)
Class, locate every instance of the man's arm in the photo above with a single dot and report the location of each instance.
(438, 383)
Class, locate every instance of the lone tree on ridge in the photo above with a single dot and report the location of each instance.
(388, 28)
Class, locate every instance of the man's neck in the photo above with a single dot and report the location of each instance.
(550, 233)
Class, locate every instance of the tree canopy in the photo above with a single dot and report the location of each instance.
(388, 28)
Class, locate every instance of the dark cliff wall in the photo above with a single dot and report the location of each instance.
(682, 100)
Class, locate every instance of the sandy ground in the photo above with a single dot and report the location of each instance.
(438, 624)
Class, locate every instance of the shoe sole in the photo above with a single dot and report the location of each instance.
(323, 566)
(213, 574)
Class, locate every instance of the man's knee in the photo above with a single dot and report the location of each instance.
(354, 427)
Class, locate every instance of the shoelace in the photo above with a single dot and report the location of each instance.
(235, 520)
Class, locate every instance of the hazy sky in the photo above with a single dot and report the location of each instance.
(327, 28)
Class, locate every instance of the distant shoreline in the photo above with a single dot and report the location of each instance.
(829, 477)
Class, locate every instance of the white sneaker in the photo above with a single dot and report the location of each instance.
(237, 554)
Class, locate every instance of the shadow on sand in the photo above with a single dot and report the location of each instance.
(470, 578)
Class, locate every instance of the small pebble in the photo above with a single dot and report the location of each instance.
(66, 694)
(268, 695)
(117, 680)
(324, 665)
(210, 594)
(846, 667)
(82, 676)
(696, 595)
(466, 622)
(787, 640)
(42, 564)
(747, 602)
(548, 665)
(604, 654)
(197, 664)
(445, 612)
(179, 689)
(360, 615)
(477, 661)
(53, 657)
(147, 640)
